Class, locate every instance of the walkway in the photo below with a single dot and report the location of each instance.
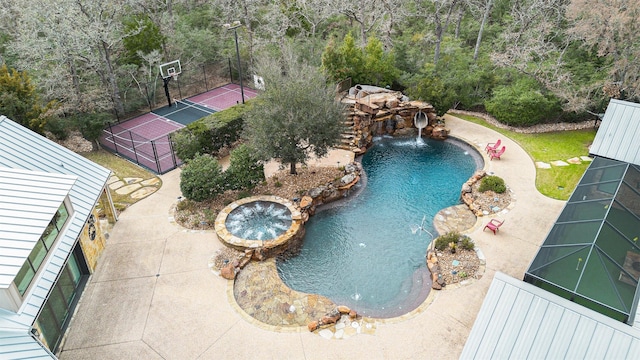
(154, 297)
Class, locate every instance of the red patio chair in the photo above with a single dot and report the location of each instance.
(492, 146)
(496, 154)
(493, 225)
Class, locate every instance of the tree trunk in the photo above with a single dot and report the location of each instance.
(247, 24)
(487, 11)
(438, 31)
(113, 84)
(459, 22)
(363, 31)
(78, 98)
(292, 169)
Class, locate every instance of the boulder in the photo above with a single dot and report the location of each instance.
(344, 309)
(440, 132)
(316, 192)
(331, 194)
(466, 188)
(401, 122)
(477, 176)
(330, 319)
(467, 198)
(353, 314)
(228, 272)
(306, 201)
(347, 179)
(258, 255)
(313, 326)
(350, 168)
(244, 261)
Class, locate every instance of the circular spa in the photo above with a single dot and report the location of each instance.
(258, 222)
(366, 252)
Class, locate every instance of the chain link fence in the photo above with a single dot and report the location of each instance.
(140, 98)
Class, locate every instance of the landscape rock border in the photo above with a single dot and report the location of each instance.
(535, 129)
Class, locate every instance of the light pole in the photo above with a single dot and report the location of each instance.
(234, 26)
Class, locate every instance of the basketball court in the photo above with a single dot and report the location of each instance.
(145, 139)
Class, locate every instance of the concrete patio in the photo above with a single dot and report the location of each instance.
(153, 296)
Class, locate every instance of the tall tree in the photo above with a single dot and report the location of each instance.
(535, 42)
(19, 100)
(438, 12)
(487, 10)
(71, 42)
(367, 14)
(297, 114)
(371, 65)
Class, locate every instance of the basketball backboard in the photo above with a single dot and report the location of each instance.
(171, 68)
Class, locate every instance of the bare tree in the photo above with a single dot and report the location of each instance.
(315, 13)
(248, 12)
(612, 28)
(438, 12)
(69, 39)
(535, 43)
(366, 13)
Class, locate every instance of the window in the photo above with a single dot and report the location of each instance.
(39, 253)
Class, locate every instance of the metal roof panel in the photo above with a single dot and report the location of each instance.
(23, 150)
(45, 191)
(619, 134)
(554, 327)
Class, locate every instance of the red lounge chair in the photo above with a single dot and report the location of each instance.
(492, 146)
(496, 154)
(493, 225)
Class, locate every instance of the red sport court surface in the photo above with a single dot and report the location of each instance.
(145, 139)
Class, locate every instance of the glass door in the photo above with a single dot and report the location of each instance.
(56, 312)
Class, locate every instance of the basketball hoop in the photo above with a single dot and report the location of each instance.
(172, 73)
(169, 71)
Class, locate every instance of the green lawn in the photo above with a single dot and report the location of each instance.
(557, 182)
(121, 168)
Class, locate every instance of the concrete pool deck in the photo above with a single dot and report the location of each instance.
(153, 295)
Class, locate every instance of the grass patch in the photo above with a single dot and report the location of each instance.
(557, 182)
(121, 168)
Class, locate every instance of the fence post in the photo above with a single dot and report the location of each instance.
(230, 72)
(113, 137)
(173, 153)
(155, 156)
(133, 146)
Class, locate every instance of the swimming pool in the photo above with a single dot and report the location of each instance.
(362, 252)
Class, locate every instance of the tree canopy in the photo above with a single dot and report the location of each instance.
(296, 116)
(89, 56)
(19, 100)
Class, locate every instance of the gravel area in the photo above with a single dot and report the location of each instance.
(490, 202)
(467, 266)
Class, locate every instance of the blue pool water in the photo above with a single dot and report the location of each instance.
(362, 253)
